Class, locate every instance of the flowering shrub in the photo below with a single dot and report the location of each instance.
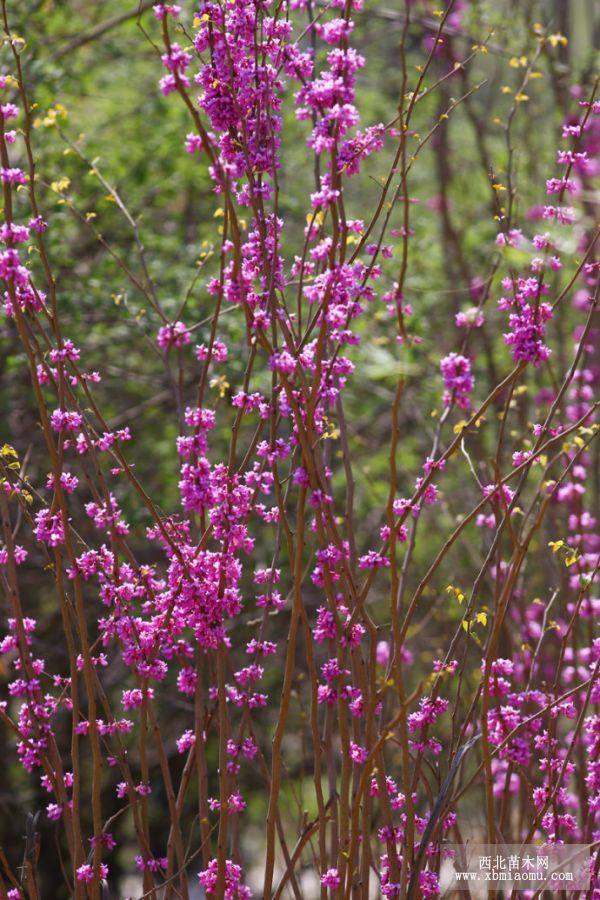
(206, 641)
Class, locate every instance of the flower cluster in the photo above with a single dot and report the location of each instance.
(183, 607)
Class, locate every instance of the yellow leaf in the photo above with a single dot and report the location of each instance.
(7, 451)
(557, 38)
(51, 118)
(220, 384)
(61, 185)
(456, 591)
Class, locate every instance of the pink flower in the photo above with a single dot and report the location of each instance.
(357, 754)
(458, 380)
(331, 879)
(173, 335)
(85, 872)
